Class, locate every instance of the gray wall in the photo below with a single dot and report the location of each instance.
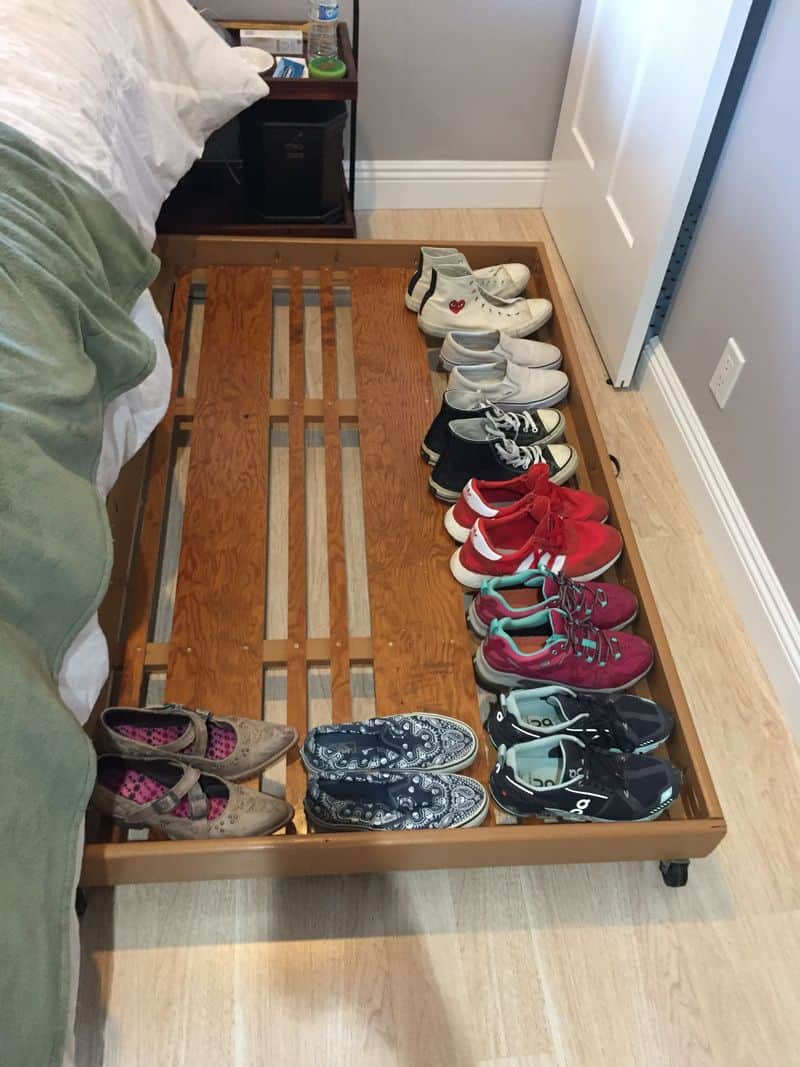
(434, 84)
(743, 280)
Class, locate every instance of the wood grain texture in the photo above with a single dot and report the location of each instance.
(218, 623)
(423, 654)
(278, 408)
(334, 490)
(421, 647)
(296, 672)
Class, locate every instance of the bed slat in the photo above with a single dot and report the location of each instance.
(337, 574)
(296, 671)
(218, 626)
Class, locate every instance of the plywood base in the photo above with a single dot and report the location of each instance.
(418, 645)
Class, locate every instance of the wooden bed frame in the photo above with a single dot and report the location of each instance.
(419, 647)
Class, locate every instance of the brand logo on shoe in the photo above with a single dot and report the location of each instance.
(457, 305)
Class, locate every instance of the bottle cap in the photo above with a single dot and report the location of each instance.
(330, 67)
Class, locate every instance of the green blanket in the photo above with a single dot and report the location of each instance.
(70, 270)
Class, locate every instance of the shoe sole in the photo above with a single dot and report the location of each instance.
(450, 496)
(518, 406)
(562, 475)
(563, 816)
(500, 681)
(335, 828)
(450, 364)
(475, 622)
(414, 304)
(430, 457)
(144, 826)
(445, 768)
(455, 529)
(514, 331)
(480, 629)
(473, 579)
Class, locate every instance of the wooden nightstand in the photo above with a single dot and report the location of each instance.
(211, 198)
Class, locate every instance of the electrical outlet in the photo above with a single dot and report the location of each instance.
(726, 373)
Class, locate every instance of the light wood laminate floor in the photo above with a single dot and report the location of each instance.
(525, 967)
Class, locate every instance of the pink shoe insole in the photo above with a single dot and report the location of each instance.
(221, 738)
(142, 789)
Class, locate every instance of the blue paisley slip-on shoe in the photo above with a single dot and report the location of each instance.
(387, 801)
(416, 742)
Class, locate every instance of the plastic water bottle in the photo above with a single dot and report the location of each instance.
(322, 16)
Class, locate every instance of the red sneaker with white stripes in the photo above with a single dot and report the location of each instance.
(486, 500)
(530, 537)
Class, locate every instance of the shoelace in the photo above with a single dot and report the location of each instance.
(512, 423)
(494, 281)
(601, 716)
(605, 767)
(577, 596)
(518, 456)
(551, 530)
(498, 305)
(589, 643)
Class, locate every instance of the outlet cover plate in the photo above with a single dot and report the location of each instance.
(726, 373)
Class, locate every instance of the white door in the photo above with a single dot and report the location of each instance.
(643, 90)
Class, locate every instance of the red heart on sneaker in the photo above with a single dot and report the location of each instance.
(456, 306)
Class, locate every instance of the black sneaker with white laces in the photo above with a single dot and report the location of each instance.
(477, 449)
(563, 777)
(618, 722)
(525, 427)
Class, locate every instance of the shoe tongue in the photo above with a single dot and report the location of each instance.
(550, 587)
(496, 433)
(558, 623)
(568, 754)
(549, 525)
(538, 508)
(545, 487)
(497, 418)
(569, 706)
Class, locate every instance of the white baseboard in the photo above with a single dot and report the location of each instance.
(754, 586)
(449, 183)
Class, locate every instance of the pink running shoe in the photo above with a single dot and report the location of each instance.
(575, 654)
(485, 500)
(604, 605)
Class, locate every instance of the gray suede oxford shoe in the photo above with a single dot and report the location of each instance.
(233, 748)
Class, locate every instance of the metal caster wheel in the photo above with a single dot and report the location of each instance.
(674, 872)
(81, 903)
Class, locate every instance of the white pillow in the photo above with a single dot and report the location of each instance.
(123, 91)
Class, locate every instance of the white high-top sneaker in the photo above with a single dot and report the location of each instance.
(455, 301)
(506, 280)
(462, 349)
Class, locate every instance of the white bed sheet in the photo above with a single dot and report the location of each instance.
(129, 421)
(123, 91)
